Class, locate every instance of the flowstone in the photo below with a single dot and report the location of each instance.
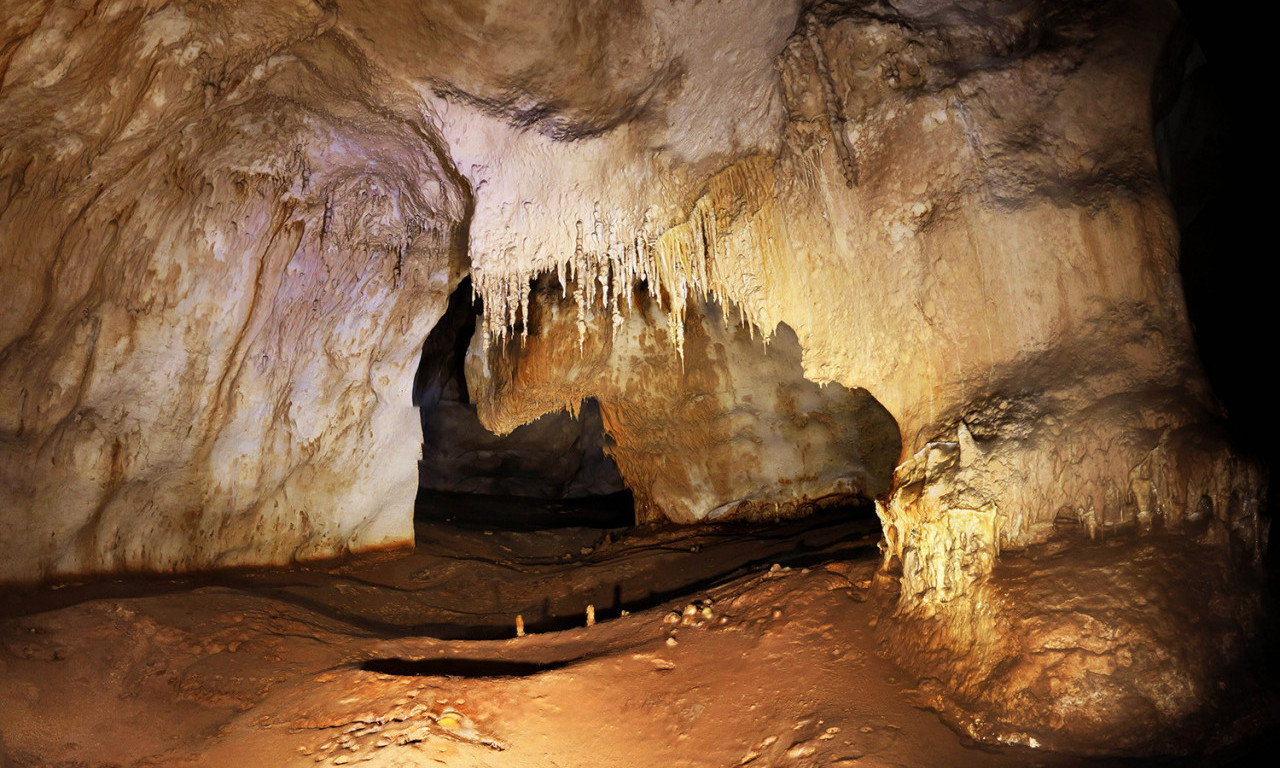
(1132, 646)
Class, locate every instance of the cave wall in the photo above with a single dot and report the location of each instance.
(726, 427)
(956, 208)
(558, 455)
(228, 229)
(225, 236)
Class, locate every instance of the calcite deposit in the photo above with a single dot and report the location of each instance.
(224, 238)
(728, 428)
(916, 251)
(958, 212)
(1124, 646)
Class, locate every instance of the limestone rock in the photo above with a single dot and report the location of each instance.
(1132, 646)
(730, 429)
(1132, 467)
(225, 237)
(956, 210)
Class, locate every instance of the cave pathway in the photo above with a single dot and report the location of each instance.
(721, 645)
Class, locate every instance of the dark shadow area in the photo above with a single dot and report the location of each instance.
(469, 668)
(513, 513)
(632, 575)
(558, 456)
(836, 535)
(1209, 141)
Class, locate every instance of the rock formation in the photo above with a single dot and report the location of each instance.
(916, 250)
(225, 237)
(558, 455)
(728, 428)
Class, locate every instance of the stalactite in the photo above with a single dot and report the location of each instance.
(699, 258)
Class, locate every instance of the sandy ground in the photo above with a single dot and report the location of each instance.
(723, 646)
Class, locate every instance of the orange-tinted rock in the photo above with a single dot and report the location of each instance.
(729, 429)
(1132, 646)
(224, 240)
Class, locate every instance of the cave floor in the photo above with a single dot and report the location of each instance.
(411, 659)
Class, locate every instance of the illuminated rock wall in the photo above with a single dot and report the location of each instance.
(227, 230)
(224, 238)
(957, 210)
(727, 429)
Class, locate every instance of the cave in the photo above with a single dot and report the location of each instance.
(798, 383)
(556, 456)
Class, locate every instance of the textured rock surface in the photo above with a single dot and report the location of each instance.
(226, 230)
(729, 429)
(957, 210)
(224, 237)
(558, 455)
(954, 211)
(1130, 646)
(949, 513)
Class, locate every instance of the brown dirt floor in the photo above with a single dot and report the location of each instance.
(411, 660)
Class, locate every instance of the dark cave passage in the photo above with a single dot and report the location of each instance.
(547, 502)
(538, 523)
(558, 456)
(453, 667)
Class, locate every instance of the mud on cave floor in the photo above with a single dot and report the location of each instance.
(717, 646)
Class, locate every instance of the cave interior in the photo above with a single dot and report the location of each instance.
(801, 383)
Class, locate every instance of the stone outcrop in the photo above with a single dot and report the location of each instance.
(950, 511)
(1125, 646)
(957, 209)
(224, 239)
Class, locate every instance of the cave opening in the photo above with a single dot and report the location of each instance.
(547, 507)
(553, 472)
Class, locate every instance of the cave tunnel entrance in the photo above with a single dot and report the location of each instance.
(547, 508)
(551, 473)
